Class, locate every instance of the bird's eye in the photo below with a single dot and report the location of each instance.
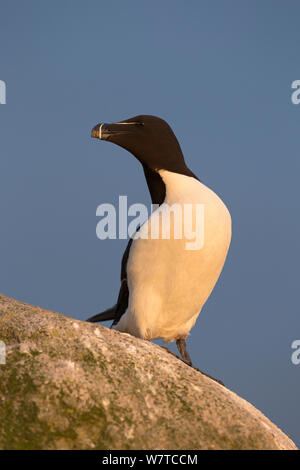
(134, 123)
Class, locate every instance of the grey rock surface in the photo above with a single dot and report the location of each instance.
(68, 384)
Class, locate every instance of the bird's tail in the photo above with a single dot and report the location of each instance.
(108, 314)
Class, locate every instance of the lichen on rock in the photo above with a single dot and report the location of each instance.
(68, 384)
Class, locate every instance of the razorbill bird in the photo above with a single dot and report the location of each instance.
(164, 285)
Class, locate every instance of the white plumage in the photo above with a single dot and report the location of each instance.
(169, 284)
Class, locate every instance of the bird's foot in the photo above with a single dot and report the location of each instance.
(207, 375)
(189, 363)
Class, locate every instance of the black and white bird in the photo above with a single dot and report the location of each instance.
(164, 285)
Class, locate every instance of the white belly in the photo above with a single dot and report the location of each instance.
(168, 283)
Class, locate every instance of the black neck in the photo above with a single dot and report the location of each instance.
(156, 185)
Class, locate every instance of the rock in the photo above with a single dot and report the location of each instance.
(68, 384)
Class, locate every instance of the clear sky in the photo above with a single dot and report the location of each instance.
(220, 73)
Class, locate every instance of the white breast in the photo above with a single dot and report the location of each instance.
(168, 283)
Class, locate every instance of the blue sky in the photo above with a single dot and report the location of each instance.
(220, 73)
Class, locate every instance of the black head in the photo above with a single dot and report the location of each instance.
(149, 138)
